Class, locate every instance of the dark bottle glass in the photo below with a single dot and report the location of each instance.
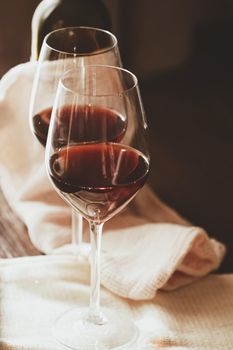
(54, 14)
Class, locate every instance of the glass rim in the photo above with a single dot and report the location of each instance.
(129, 73)
(100, 30)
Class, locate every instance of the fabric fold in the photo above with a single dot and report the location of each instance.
(145, 248)
(36, 290)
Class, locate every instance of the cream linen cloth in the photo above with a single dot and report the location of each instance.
(145, 248)
(35, 291)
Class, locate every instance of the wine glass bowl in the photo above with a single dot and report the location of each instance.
(97, 158)
(64, 49)
(92, 161)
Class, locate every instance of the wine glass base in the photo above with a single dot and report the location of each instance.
(73, 330)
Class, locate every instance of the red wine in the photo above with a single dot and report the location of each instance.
(40, 124)
(98, 178)
(89, 123)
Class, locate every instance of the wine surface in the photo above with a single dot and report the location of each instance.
(89, 123)
(98, 178)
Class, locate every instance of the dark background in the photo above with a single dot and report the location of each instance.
(182, 52)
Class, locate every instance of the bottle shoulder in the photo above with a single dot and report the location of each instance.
(44, 10)
(55, 14)
(72, 13)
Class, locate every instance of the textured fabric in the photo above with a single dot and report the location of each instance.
(145, 248)
(35, 291)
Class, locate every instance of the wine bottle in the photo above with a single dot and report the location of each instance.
(54, 14)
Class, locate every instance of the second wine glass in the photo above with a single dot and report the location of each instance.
(97, 159)
(61, 50)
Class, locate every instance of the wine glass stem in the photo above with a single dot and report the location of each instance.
(77, 228)
(95, 314)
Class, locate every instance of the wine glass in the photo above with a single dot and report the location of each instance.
(63, 49)
(97, 159)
